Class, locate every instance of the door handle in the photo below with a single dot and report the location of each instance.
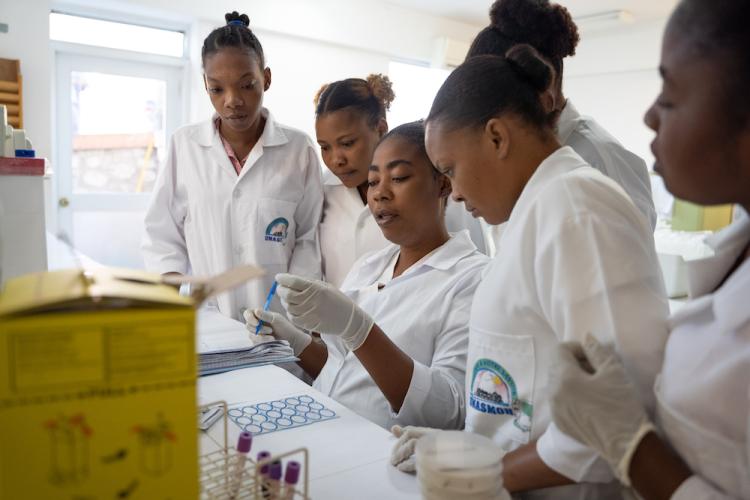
(63, 202)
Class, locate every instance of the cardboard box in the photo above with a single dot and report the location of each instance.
(97, 387)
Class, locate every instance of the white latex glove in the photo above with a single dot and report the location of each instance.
(320, 307)
(594, 402)
(277, 325)
(402, 455)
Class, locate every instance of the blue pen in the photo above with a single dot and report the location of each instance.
(271, 293)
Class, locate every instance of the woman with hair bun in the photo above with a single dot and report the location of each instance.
(239, 188)
(549, 28)
(350, 120)
(577, 257)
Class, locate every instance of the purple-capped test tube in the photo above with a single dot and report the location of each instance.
(274, 476)
(264, 455)
(244, 443)
(291, 477)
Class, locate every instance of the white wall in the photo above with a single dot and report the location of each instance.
(614, 78)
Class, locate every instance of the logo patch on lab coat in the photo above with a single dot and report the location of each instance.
(277, 230)
(493, 391)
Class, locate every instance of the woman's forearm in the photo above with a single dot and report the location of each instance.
(655, 471)
(523, 470)
(390, 367)
(313, 357)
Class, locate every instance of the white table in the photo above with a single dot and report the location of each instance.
(348, 455)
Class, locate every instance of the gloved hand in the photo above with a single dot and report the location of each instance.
(320, 307)
(277, 325)
(596, 403)
(402, 455)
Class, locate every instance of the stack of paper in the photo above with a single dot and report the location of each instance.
(225, 344)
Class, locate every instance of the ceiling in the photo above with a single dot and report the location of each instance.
(476, 11)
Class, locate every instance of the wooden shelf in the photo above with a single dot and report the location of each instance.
(11, 90)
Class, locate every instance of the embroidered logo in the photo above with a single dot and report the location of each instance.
(277, 230)
(493, 391)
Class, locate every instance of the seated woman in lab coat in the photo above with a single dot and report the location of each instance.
(550, 29)
(238, 188)
(702, 150)
(349, 122)
(394, 338)
(577, 256)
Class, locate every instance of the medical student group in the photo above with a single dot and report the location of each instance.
(560, 348)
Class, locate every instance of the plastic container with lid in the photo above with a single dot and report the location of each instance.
(459, 465)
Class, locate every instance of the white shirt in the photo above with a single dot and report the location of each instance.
(703, 408)
(603, 152)
(576, 257)
(348, 229)
(425, 312)
(204, 218)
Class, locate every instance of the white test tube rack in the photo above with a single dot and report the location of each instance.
(216, 468)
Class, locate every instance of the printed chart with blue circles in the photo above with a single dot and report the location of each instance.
(286, 413)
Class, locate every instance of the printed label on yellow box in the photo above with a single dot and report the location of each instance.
(98, 405)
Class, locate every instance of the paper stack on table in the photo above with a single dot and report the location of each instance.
(225, 344)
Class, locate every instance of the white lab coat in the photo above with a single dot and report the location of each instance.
(603, 152)
(702, 394)
(425, 312)
(348, 229)
(576, 257)
(204, 218)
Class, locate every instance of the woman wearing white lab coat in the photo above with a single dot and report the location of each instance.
(239, 188)
(350, 119)
(702, 150)
(577, 256)
(550, 29)
(395, 336)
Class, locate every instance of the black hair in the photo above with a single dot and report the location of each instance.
(372, 97)
(236, 33)
(718, 29)
(549, 28)
(487, 86)
(413, 133)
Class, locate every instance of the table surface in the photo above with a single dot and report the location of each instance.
(347, 454)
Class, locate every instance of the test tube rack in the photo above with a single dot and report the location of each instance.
(216, 470)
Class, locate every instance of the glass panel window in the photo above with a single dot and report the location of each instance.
(88, 31)
(119, 136)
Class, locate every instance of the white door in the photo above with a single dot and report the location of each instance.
(114, 119)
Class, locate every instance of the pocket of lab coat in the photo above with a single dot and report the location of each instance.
(276, 232)
(712, 456)
(500, 387)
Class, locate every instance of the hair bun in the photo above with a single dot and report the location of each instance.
(530, 66)
(548, 27)
(382, 88)
(319, 93)
(236, 16)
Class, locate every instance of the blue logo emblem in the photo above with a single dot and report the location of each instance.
(277, 230)
(493, 391)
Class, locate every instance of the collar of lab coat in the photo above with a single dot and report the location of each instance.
(206, 135)
(562, 161)
(729, 302)
(567, 122)
(443, 258)
(330, 179)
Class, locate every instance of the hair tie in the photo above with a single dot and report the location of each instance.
(236, 22)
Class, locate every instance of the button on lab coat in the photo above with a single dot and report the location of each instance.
(576, 257)
(348, 229)
(703, 402)
(425, 312)
(204, 218)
